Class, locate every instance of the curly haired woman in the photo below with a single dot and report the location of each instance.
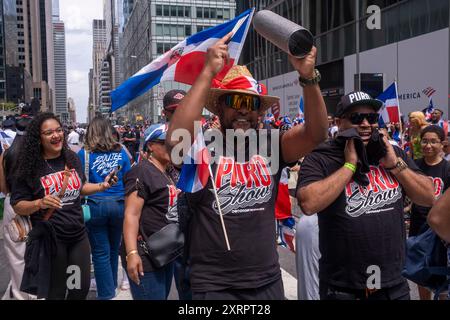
(46, 166)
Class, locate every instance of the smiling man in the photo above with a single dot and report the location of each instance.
(247, 189)
(361, 223)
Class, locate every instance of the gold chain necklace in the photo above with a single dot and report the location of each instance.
(162, 171)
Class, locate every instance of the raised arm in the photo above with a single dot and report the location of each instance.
(439, 217)
(302, 139)
(191, 107)
(318, 195)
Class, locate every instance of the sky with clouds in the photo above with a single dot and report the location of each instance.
(77, 16)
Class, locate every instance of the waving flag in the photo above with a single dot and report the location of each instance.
(195, 170)
(429, 110)
(184, 62)
(390, 112)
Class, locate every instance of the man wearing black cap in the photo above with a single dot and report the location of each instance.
(361, 223)
(171, 101)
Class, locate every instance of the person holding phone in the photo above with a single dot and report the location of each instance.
(105, 156)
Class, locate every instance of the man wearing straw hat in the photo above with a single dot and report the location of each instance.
(232, 237)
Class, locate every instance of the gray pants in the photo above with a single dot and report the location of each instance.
(15, 254)
(307, 257)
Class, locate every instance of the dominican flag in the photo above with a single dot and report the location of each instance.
(429, 110)
(195, 170)
(283, 213)
(390, 112)
(184, 62)
(301, 114)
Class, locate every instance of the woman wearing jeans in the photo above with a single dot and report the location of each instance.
(151, 204)
(105, 226)
(49, 176)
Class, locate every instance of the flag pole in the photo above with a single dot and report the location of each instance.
(399, 114)
(218, 206)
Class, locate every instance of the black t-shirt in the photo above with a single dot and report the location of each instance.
(247, 193)
(440, 174)
(363, 227)
(160, 206)
(129, 144)
(68, 221)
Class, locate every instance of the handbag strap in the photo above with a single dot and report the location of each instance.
(86, 169)
(50, 212)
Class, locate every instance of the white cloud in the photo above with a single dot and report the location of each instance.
(77, 16)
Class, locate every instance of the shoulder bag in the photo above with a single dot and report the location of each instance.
(165, 245)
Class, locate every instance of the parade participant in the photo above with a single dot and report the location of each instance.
(129, 140)
(250, 270)
(14, 250)
(433, 165)
(436, 119)
(417, 122)
(151, 204)
(105, 155)
(361, 222)
(48, 190)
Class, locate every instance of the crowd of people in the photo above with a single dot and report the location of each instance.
(102, 198)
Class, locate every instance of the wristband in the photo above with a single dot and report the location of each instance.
(350, 166)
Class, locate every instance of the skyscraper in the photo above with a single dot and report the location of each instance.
(59, 40)
(98, 53)
(154, 27)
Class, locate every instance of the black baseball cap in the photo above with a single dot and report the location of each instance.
(356, 98)
(173, 98)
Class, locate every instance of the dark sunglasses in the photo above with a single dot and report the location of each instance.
(238, 101)
(357, 118)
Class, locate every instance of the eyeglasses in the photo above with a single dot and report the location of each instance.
(49, 133)
(238, 101)
(357, 118)
(431, 142)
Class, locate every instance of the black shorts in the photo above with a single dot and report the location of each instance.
(271, 291)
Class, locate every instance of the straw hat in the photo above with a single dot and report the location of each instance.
(238, 80)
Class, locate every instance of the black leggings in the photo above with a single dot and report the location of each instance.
(64, 279)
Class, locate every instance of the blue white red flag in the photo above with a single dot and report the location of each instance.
(429, 110)
(195, 170)
(184, 62)
(390, 112)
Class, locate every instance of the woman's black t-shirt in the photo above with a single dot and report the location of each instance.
(67, 221)
(160, 201)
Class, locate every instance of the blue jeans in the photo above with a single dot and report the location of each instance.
(154, 285)
(105, 233)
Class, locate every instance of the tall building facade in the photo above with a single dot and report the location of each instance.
(15, 81)
(72, 111)
(59, 39)
(155, 26)
(360, 49)
(98, 53)
(35, 48)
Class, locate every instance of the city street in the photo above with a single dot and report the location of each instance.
(287, 262)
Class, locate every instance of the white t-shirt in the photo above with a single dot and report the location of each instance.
(73, 138)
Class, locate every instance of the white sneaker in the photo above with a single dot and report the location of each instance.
(125, 285)
(93, 286)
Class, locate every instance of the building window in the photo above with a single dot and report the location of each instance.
(166, 30)
(187, 30)
(173, 11)
(159, 29)
(173, 30)
(159, 10)
(187, 12)
(160, 48)
(206, 13)
(219, 12)
(226, 13)
(199, 12)
(166, 11)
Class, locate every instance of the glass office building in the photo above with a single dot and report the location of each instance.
(411, 46)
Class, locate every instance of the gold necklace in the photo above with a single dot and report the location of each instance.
(162, 171)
